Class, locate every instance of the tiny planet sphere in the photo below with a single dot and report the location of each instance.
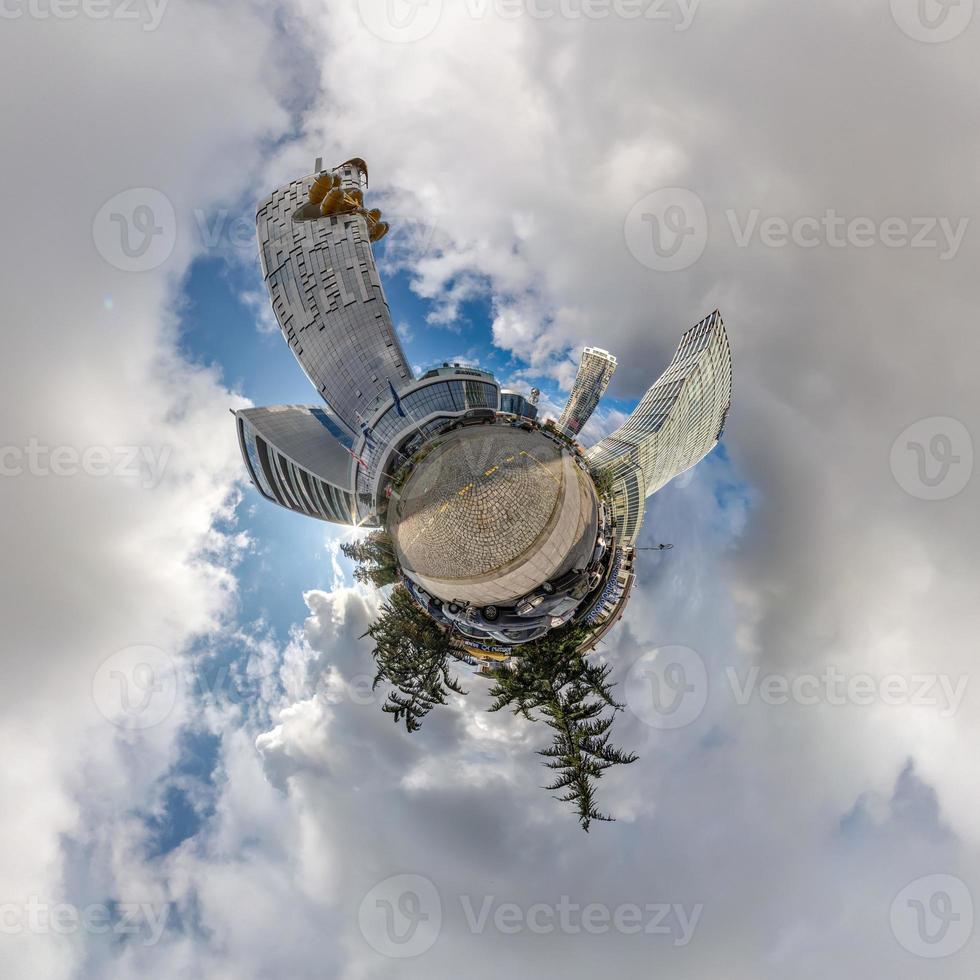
(491, 513)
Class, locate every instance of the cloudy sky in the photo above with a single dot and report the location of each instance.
(196, 779)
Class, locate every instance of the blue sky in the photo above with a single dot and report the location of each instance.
(290, 554)
(266, 810)
(218, 328)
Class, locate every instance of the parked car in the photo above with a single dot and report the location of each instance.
(476, 416)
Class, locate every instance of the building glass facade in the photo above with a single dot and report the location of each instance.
(294, 462)
(335, 461)
(436, 398)
(328, 299)
(677, 423)
(514, 403)
(594, 374)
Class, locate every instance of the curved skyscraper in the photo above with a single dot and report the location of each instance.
(501, 531)
(314, 240)
(677, 423)
(315, 243)
(298, 457)
(594, 374)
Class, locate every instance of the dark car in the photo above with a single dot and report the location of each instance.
(476, 416)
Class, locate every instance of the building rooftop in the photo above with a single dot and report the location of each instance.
(447, 368)
(600, 352)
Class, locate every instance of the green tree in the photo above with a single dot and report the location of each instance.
(553, 682)
(413, 654)
(375, 559)
(604, 481)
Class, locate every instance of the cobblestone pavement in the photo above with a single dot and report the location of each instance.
(478, 501)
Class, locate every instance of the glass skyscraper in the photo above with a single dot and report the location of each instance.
(677, 423)
(325, 291)
(499, 527)
(594, 374)
(297, 456)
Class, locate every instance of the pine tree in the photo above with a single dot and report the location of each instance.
(554, 683)
(375, 559)
(413, 654)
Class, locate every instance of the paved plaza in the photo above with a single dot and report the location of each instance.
(491, 513)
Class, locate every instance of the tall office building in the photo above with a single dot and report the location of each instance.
(594, 374)
(499, 528)
(298, 457)
(677, 423)
(315, 240)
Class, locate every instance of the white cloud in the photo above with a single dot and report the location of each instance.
(101, 563)
(257, 303)
(524, 143)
